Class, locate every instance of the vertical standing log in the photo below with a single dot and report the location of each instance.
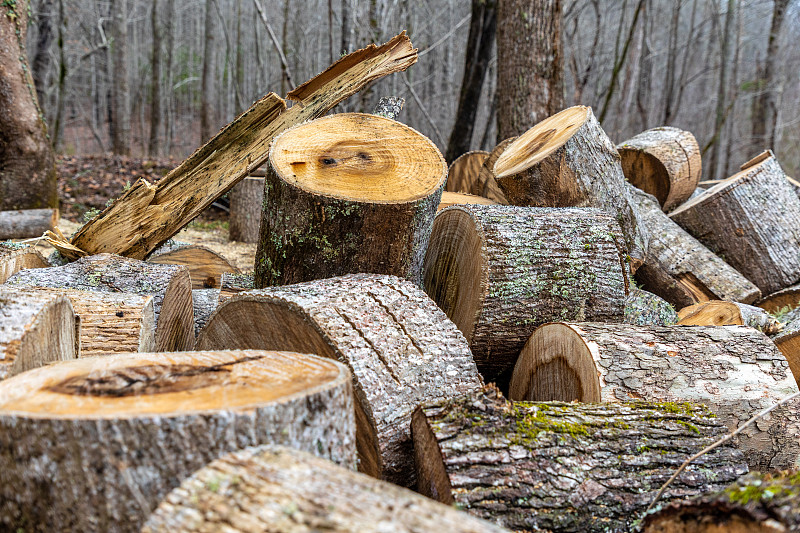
(246, 197)
(16, 257)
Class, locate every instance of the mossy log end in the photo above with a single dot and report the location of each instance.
(169, 285)
(500, 271)
(95, 444)
(737, 371)
(16, 257)
(644, 308)
(281, 490)
(400, 347)
(566, 467)
(348, 193)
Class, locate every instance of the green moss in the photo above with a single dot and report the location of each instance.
(766, 488)
(691, 427)
(529, 425)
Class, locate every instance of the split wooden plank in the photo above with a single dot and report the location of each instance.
(25, 223)
(16, 257)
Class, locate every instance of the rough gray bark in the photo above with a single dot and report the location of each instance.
(277, 489)
(500, 271)
(737, 371)
(169, 285)
(679, 268)
(231, 283)
(246, 198)
(27, 223)
(204, 302)
(752, 220)
(399, 346)
(566, 467)
(645, 308)
(35, 329)
(144, 422)
(16, 257)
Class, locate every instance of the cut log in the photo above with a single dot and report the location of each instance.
(168, 284)
(455, 198)
(565, 467)
(486, 185)
(334, 185)
(756, 503)
(205, 265)
(719, 313)
(788, 342)
(25, 223)
(752, 220)
(788, 297)
(204, 302)
(464, 171)
(567, 160)
(737, 371)
(664, 162)
(147, 215)
(35, 329)
(246, 198)
(644, 308)
(499, 272)
(399, 346)
(16, 257)
(281, 490)
(679, 268)
(95, 444)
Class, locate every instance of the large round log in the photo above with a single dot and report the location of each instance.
(735, 370)
(664, 162)
(567, 160)
(95, 444)
(719, 313)
(499, 272)
(35, 329)
(565, 467)
(399, 346)
(16, 257)
(281, 490)
(679, 268)
(205, 265)
(24, 223)
(464, 170)
(169, 285)
(348, 193)
(246, 199)
(752, 220)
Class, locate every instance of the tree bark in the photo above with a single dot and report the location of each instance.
(464, 170)
(278, 489)
(207, 116)
(204, 303)
(736, 371)
(41, 57)
(530, 68)
(719, 313)
(120, 105)
(499, 272)
(399, 346)
(27, 165)
(27, 223)
(680, 269)
(752, 220)
(35, 329)
(155, 83)
(565, 467)
(715, 156)
(168, 284)
(333, 185)
(644, 308)
(205, 265)
(485, 184)
(144, 422)
(16, 257)
(765, 105)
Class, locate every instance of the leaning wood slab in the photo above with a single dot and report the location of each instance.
(788, 297)
(565, 467)
(737, 371)
(500, 271)
(205, 265)
(644, 308)
(752, 219)
(664, 162)
(719, 313)
(567, 160)
(399, 346)
(147, 215)
(348, 193)
(464, 170)
(168, 284)
(679, 268)
(16, 257)
(281, 490)
(25, 223)
(95, 444)
(247, 198)
(36, 328)
(756, 503)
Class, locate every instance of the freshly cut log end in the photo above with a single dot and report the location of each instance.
(399, 346)
(498, 272)
(664, 162)
(644, 308)
(736, 371)
(454, 198)
(464, 171)
(567, 160)
(205, 265)
(485, 185)
(564, 466)
(333, 185)
(144, 422)
(247, 198)
(281, 490)
(752, 219)
(35, 329)
(755, 503)
(782, 299)
(169, 285)
(719, 313)
(25, 223)
(16, 257)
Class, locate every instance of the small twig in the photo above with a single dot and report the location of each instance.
(34, 239)
(281, 55)
(445, 37)
(716, 444)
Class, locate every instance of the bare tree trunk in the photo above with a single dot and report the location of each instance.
(41, 59)
(62, 76)
(155, 83)
(765, 108)
(669, 73)
(169, 97)
(530, 68)
(207, 84)
(120, 108)
(722, 92)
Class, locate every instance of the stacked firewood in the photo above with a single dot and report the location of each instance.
(476, 335)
